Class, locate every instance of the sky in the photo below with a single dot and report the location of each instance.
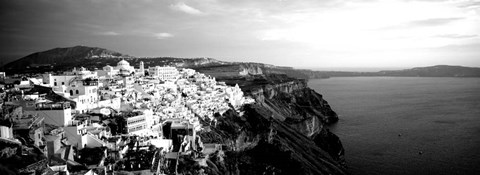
(296, 33)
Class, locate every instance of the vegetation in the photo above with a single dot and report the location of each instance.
(14, 157)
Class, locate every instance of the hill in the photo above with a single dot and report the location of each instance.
(59, 57)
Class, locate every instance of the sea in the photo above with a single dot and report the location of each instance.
(406, 125)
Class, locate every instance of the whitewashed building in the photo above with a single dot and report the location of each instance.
(166, 73)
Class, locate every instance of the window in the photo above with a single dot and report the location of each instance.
(55, 83)
(63, 83)
(76, 91)
(71, 92)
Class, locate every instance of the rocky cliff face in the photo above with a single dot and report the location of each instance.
(300, 100)
(282, 133)
(270, 91)
(304, 110)
(250, 69)
(257, 143)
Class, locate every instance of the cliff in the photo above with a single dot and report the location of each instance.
(233, 69)
(294, 99)
(303, 109)
(282, 133)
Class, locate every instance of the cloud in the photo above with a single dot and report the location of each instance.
(433, 22)
(163, 35)
(108, 33)
(456, 36)
(185, 8)
(469, 4)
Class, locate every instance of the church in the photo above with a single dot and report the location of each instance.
(124, 68)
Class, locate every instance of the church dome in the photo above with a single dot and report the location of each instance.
(123, 63)
(125, 66)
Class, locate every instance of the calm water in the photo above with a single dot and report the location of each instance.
(439, 117)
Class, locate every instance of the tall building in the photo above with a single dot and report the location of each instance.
(141, 71)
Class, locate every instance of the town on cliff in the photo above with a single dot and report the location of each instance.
(115, 119)
(164, 120)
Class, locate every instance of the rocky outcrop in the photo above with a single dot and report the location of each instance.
(282, 133)
(258, 143)
(297, 97)
(250, 69)
(270, 91)
(304, 110)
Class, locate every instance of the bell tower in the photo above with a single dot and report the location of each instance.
(142, 68)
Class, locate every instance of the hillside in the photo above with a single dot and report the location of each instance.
(59, 57)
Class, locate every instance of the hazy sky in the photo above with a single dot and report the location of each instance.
(298, 33)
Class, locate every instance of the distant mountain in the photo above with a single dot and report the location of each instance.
(431, 71)
(59, 57)
(435, 71)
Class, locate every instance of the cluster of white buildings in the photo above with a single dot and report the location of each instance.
(149, 99)
(166, 93)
